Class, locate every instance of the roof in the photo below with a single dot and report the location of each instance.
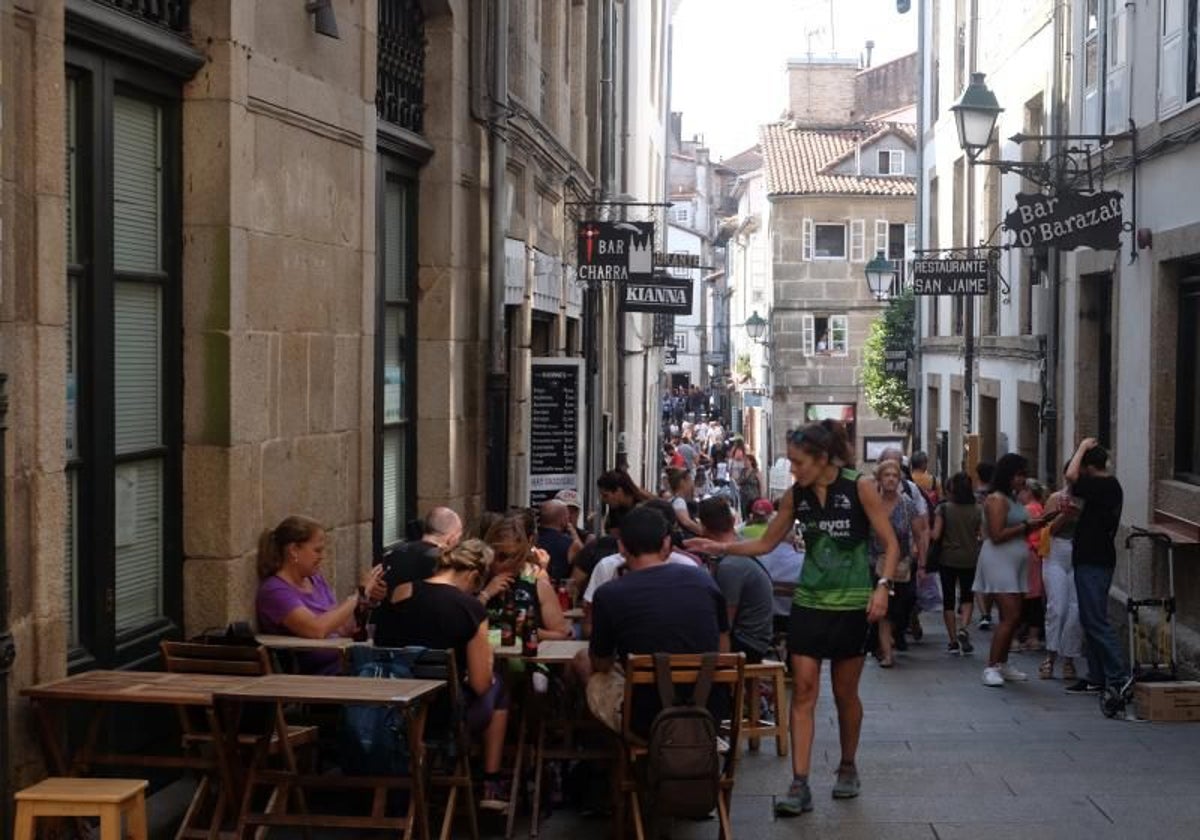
(746, 161)
(800, 160)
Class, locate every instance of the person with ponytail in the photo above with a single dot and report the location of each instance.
(835, 599)
(294, 599)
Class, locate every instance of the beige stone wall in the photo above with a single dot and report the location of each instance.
(821, 92)
(279, 241)
(33, 313)
(886, 87)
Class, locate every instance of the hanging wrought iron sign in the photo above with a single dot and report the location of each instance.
(663, 293)
(670, 355)
(951, 275)
(615, 252)
(1067, 220)
(895, 362)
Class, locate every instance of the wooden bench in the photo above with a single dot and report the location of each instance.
(755, 729)
(107, 799)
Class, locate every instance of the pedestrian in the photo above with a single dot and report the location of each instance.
(925, 480)
(983, 486)
(1064, 636)
(1003, 563)
(1033, 606)
(834, 601)
(957, 529)
(750, 484)
(901, 512)
(1094, 557)
(683, 490)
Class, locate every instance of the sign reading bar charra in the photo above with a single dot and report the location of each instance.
(615, 251)
(1067, 220)
(951, 276)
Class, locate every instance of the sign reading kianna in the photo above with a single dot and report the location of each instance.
(663, 293)
(951, 276)
(1067, 220)
(615, 251)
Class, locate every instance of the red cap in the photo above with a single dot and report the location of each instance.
(762, 507)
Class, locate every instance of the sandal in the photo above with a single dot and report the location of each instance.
(1068, 670)
(886, 662)
(1046, 669)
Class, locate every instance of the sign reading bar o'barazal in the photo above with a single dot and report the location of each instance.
(1067, 220)
(951, 276)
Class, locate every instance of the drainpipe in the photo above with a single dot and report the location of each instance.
(1049, 441)
(497, 379)
(968, 301)
(622, 318)
(917, 414)
(7, 651)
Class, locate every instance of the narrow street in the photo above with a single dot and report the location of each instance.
(944, 757)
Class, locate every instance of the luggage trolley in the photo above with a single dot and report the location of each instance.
(1113, 700)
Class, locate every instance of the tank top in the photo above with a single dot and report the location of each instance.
(837, 567)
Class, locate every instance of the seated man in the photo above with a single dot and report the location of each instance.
(658, 607)
(555, 539)
(409, 562)
(745, 584)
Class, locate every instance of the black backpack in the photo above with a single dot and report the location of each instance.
(683, 767)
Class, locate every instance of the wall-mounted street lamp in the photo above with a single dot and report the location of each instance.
(756, 327)
(880, 276)
(975, 117)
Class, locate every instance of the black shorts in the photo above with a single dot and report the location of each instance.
(827, 634)
(962, 579)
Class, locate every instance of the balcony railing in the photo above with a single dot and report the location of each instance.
(400, 79)
(171, 15)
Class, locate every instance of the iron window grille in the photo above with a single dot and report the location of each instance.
(400, 80)
(172, 15)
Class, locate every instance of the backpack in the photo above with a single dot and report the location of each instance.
(374, 740)
(683, 768)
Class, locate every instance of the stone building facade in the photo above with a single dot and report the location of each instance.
(260, 285)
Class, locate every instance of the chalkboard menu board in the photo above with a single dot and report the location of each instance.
(554, 427)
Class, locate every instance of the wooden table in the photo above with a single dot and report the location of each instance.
(102, 689)
(411, 696)
(549, 652)
(299, 644)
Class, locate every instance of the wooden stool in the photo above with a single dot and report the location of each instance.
(107, 799)
(754, 730)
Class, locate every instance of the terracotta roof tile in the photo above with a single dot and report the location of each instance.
(799, 159)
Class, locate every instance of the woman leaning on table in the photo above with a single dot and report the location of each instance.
(837, 507)
(294, 599)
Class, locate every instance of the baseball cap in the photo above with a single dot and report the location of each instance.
(569, 498)
(762, 507)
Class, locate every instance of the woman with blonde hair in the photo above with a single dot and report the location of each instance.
(294, 598)
(901, 513)
(443, 613)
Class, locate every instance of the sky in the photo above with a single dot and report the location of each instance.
(730, 57)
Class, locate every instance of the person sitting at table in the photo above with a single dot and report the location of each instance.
(659, 607)
(516, 574)
(294, 599)
(744, 582)
(442, 612)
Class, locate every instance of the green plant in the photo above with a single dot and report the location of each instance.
(888, 394)
(741, 366)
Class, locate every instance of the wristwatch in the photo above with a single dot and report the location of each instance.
(891, 586)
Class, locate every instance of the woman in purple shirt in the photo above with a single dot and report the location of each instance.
(294, 599)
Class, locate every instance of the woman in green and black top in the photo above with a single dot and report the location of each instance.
(837, 508)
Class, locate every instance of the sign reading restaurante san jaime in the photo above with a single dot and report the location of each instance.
(951, 276)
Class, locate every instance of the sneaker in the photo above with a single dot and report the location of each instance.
(993, 678)
(953, 649)
(1011, 674)
(985, 622)
(847, 785)
(796, 801)
(964, 640)
(495, 797)
(1082, 687)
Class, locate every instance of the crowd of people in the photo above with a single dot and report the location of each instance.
(837, 569)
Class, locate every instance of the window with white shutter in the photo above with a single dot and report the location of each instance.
(839, 335)
(1091, 67)
(806, 240)
(1116, 97)
(910, 242)
(881, 237)
(807, 335)
(1173, 50)
(858, 240)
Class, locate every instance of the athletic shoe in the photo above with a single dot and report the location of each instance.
(964, 641)
(985, 622)
(495, 797)
(847, 785)
(796, 801)
(993, 678)
(1083, 687)
(953, 649)
(1011, 674)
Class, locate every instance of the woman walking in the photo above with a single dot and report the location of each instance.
(957, 525)
(835, 599)
(1003, 563)
(901, 511)
(1064, 635)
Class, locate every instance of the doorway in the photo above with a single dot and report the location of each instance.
(988, 409)
(1094, 388)
(1027, 437)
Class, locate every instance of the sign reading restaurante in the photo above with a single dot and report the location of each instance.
(1067, 220)
(951, 276)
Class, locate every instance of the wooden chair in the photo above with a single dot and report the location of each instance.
(198, 737)
(755, 729)
(685, 668)
(108, 799)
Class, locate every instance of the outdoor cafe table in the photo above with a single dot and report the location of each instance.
(298, 644)
(410, 696)
(104, 689)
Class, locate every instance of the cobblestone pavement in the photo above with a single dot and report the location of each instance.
(944, 757)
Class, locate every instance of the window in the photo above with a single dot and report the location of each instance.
(858, 241)
(124, 399)
(395, 353)
(681, 342)
(891, 162)
(1179, 70)
(1187, 396)
(1116, 102)
(825, 335)
(881, 238)
(824, 241)
(681, 213)
(1091, 66)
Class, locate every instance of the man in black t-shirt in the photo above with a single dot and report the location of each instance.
(1094, 557)
(658, 607)
(554, 538)
(416, 560)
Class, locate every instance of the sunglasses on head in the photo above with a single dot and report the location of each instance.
(816, 435)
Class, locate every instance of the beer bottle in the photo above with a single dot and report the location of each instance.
(530, 647)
